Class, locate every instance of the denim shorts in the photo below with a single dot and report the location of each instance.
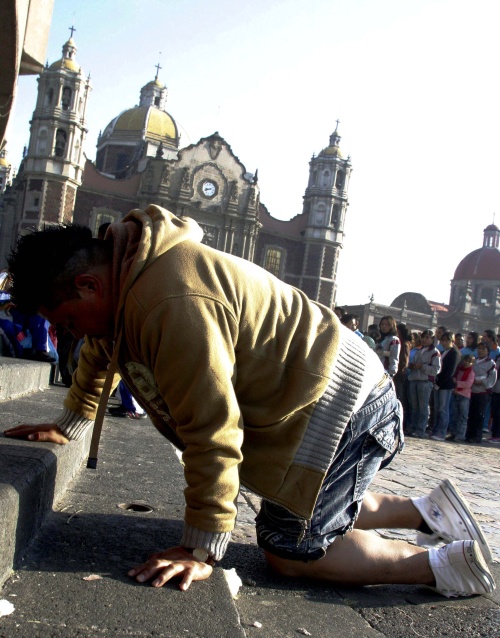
(373, 432)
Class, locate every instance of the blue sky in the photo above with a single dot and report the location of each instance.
(413, 82)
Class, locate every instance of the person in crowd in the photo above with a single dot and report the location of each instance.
(485, 376)
(459, 341)
(12, 330)
(471, 342)
(373, 332)
(388, 346)
(495, 408)
(423, 372)
(490, 339)
(464, 379)
(351, 321)
(256, 384)
(444, 385)
(339, 311)
(400, 378)
(440, 330)
(128, 408)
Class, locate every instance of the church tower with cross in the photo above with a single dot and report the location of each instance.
(52, 168)
(325, 206)
(144, 131)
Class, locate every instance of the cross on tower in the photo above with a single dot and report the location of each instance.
(338, 122)
(72, 29)
(158, 67)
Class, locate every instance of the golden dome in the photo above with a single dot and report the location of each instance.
(68, 61)
(4, 162)
(156, 83)
(66, 65)
(332, 150)
(155, 123)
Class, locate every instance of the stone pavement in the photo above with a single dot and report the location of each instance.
(86, 534)
(284, 608)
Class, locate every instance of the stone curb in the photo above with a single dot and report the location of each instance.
(32, 476)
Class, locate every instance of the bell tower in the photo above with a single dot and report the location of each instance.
(325, 204)
(53, 165)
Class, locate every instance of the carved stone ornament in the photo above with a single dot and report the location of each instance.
(165, 176)
(208, 235)
(234, 191)
(186, 178)
(214, 147)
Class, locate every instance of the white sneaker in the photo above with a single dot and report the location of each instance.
(447, 513)
(460, 570)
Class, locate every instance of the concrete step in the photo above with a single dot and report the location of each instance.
(32, 475)
(83, 528)
(21, 376)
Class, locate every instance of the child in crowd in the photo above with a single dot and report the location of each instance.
(461, 398)
(495, 408)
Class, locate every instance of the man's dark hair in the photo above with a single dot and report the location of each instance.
(348, 317)
(44, 264)
(491, 335)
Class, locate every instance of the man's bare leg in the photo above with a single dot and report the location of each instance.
(362, 558)
(384, 510)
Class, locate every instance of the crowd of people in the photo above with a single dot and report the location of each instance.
(448, 384)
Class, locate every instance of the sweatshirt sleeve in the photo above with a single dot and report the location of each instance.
(491, 377)
(462, 385)
(88, 381)
(432, 368)
(394, 349)
(189, 344)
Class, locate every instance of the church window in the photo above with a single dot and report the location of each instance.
(157, 101)
(335, 220)
(49, 96)
(320, 214)
(103, 218)
(41, 145)
(339, 183)
(326, 179)
(60, 145)
(66, 98)
(486, 296)
(76, 152)
(314, 178)
(273, 261)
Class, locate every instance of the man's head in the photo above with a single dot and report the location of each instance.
(63, 273)
(350, 321)
(440, 331)
(490, 338)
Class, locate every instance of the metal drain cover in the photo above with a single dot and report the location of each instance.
(136, 506)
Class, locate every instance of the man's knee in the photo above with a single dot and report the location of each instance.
(285, 567)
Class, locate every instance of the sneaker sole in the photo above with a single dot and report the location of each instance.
(479, 568)
(459, 504)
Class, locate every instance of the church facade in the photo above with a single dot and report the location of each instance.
(139, 161)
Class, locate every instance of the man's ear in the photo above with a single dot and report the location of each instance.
(87, 283)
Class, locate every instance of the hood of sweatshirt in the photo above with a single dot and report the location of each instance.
(138, 240)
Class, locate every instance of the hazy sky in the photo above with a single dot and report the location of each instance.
(413, 82)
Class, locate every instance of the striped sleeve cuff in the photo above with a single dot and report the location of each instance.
(73, 425)
(214, 542)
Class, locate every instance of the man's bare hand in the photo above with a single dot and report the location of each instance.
(47, 432)
(173, 562)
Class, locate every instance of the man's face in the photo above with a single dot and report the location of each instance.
(352, 324)
(487, 339)
(85, 315)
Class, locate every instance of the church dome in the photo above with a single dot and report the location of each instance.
(483, 263)
(68, 61)
(148, 122)
(333, 149)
